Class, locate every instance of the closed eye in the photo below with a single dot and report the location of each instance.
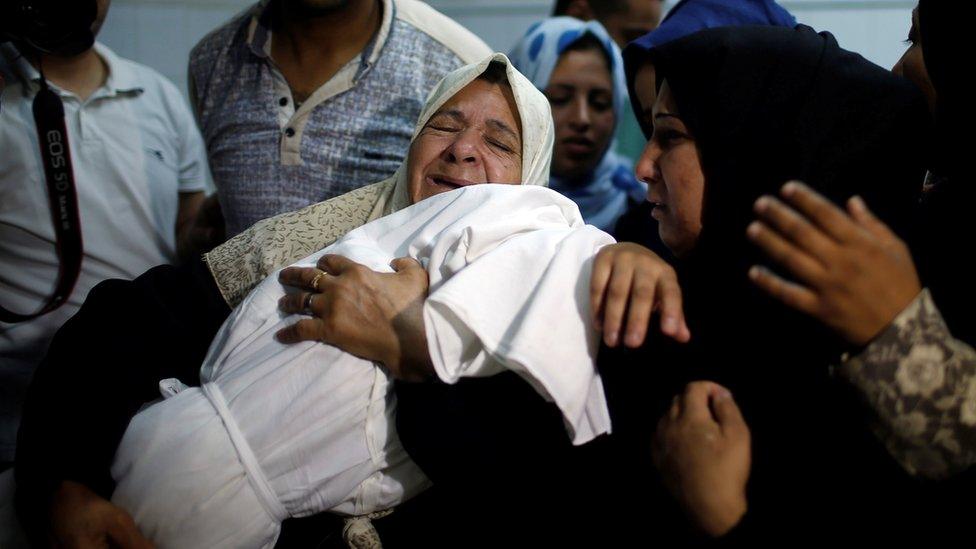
(500, 145)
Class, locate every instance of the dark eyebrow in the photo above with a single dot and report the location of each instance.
(453, 113)
(503, 127)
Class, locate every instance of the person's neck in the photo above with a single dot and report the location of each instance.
(328, 37)
(80, 74)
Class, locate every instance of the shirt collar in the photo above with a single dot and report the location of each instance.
(259, 32)
(121, 78)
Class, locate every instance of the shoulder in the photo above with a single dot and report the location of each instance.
(444, 30)
(220, 39)
(239, 264)
(158, 94)
(149, 78)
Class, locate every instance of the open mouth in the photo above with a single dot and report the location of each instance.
(449, 182)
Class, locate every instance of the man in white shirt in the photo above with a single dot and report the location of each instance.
(140, 172)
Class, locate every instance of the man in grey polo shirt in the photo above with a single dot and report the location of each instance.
(303, 100)
(140, 171)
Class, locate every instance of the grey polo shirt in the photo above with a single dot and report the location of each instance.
(269, 157)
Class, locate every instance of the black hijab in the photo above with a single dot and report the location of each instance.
(767, 105)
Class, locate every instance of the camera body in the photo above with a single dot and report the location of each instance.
(60, 27)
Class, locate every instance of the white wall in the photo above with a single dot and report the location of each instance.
(160, 33)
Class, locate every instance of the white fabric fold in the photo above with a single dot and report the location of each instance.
(291, 430)
(521, 303)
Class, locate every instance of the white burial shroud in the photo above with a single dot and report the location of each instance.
(290, 430)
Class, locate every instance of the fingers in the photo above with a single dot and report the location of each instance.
(727, 412)
(405, 264)
(309, 278)
(298, 303)
(821, 211)
(335, 264)
(675, 410)
(783, 252)
(672, 310)
(866, 219)
(639, 310)
(309, 329)
(694, 401)
(411, 268)
(792, 226)
(124, 533)
(602, 267)
(790, 294)
(615, 304)
(627, 285)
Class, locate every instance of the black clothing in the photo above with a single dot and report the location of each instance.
(101, 367)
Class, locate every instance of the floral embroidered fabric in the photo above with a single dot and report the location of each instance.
(921, 383)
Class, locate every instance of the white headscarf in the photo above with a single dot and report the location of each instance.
(242, 262)
(533, 110)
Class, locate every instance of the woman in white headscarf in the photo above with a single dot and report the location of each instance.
(281, 430)
(62, 461)
(579, 68)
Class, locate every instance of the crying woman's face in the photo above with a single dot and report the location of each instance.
(475, 137)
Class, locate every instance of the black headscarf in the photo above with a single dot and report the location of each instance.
(767, 105)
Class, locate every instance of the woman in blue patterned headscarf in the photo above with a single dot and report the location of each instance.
(580, 69)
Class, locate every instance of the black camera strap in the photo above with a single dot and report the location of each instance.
(53, 137)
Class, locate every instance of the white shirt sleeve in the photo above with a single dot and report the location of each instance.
(194, 170)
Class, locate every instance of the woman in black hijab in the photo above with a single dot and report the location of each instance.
(762, 106)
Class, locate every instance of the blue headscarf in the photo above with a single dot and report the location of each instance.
(604, 197)
(691, 16)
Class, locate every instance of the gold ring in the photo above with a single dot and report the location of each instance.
(315, 281)
(308, 302)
